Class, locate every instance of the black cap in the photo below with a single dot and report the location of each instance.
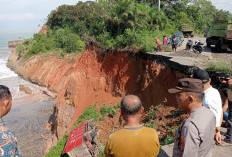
(201, 74)
(188, 85)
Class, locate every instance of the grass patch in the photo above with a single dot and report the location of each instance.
(111, 110)
(108, 110)
(220, 66)
(151, 121)
(89, 113)
(152, 112)
(58, 148)
(167, 140)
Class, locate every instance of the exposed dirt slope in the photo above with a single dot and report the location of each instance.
(99, 76)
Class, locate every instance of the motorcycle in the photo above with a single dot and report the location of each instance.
(189, 45)
(198, 47)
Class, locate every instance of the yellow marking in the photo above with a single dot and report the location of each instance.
(179, 88)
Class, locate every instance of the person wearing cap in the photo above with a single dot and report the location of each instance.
(212, 99)
(195, 136)
(134, 139)
(228, 104)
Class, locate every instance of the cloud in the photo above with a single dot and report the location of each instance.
(223, 4)
(16, 17)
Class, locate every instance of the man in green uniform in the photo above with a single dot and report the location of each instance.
(134, 139)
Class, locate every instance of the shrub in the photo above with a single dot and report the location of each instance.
(80, 46)
(20, 48)
(89, 113)
(105, 40)
(120, 24)
(38, 47)
(73, 43)
(28, 55)
(108, 110)
(151, 113)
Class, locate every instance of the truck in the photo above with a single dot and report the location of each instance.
(188, 29)
(220, 35)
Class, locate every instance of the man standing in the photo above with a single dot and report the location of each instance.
(228, 139)
(174, 43)
(195, 136)
(212, 99)
(158, 43)
(8, 142)
(134, 139)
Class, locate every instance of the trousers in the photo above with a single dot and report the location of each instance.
(229, 126)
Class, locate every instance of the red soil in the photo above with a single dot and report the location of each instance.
(96, 76)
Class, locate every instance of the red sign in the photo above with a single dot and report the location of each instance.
(75, 138)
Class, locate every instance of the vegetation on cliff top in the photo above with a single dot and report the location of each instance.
(117, 24)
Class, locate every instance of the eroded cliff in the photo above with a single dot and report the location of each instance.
(102, 76)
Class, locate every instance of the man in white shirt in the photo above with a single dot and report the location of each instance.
(212, 99)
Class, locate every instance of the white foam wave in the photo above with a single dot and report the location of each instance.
(5, 72)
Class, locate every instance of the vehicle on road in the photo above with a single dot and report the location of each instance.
(180, 37)
(220, 35)
(198, 47)
(188, 30)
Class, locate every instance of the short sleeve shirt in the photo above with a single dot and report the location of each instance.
(8, 142)
(137, 141)
(213, 101)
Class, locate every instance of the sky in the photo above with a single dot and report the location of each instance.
(27, 15)
(30, 15)
(223, 4)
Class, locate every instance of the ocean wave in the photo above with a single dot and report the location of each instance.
(5, 72)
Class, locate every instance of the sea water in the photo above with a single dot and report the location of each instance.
(8, 77)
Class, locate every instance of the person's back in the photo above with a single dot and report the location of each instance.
(133, 140)
(137, 141)
(175, 41)
(212, 100)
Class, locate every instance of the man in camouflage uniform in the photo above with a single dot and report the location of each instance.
(195, 136)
